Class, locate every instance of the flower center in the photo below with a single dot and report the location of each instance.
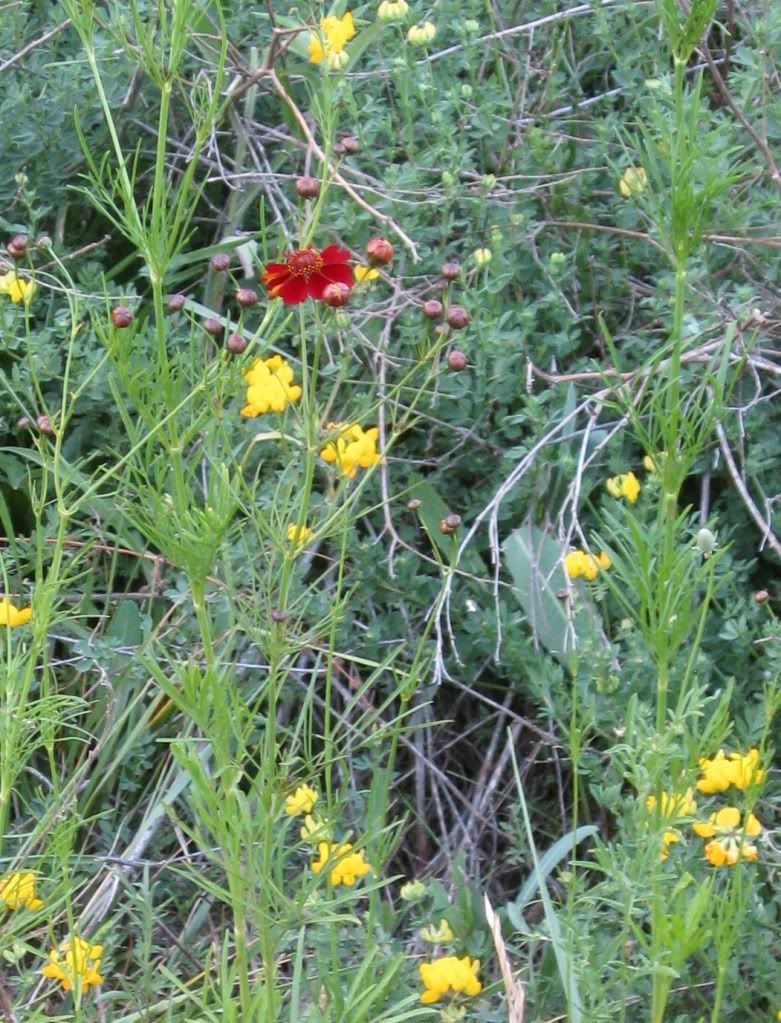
(305, 262)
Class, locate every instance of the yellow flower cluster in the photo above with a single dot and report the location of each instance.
(449, 974)
(13, 616)
(671, 807)
(17, 891)
(437, 935)
(393, 10)
(578, 563)
(270, 387)
(299, 536)
(301, 802)
(18, 289)
(422, 34)
(329, 45)
(353, 447)
(344, 865)
(633, 181)
(728, 829)
(626, 484)
(77, 963)
(739, 769)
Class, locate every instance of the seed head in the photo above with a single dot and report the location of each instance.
(457, 360)
(246, 298)
(121, 316)
(458, 317)
(432, 309)
(336, 295)
(379, 251)
(308, 187)
(220, 262)
(450, 271)
(175, 302)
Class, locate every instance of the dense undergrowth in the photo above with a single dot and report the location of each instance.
(389, 511)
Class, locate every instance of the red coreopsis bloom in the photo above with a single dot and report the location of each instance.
(306, 273)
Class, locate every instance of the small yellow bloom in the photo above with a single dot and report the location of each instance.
(270, 387)
(652, 464)
(299, 536)
(671, 807)
(420, 35)
(347, 866)
(721, 771)
(13, 616)
(336, 33)
(626, 484)
(727, 833)
(578, 563)
(17, 891)
(18, 289)
(80, 965)
(365, 273)
(314, 830)
(450, 973)
(392, 10)
(302, 801)
(353, 448)
(482, 257)
(437, 935)
(633, 181)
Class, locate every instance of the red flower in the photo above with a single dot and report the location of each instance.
(306, 273)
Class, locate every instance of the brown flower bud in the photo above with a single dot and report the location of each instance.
(414, 503)
(44, 424)
(761, 597)
(458, 317)
(308, 187)
(338, 149)
(213, 327)
(379, 251)
(457, 360)
(450, 271)
(17, 247)
(220, 262)
(236, 344)
(432, 309)
(121, 316)
(175, 303)
(22, 423)
(450, 524)
(336, 295)
(278, 616)
(351, 144)
(246, 298)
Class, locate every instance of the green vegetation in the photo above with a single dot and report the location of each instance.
(389, 512)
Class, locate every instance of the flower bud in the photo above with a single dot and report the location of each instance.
(121, 316)
(420, 35)
(761, 597)
(338, 149)
(413, 891)
(379, 252)
(213, 327)
(246, 298)
(220, 262)
(471, 27)
(350, 144)
(43, 242)
(450, 524)
(392, 10)
(413, 504)
(44, 424)
(278, 616)
(175, 302)
(308, 187)
(450, 271)
(706, 542)
(448, 179)
(22, 423)
(482, 257)
(17, 247)
(432, 309)
(457, 360)
(336, 294)
(236, 344)
(488, 182)
(466, 91)
(458, 317)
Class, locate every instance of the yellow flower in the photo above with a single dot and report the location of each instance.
(79, 965)
(651, 464)
(437, 935)
(721, 771)
(578, 563)
(626, 484)
(13, 616)
(421, 34)
(633, 181)
(347, 866)
(18, 289)
(727, 832)
(672, 806)
(299, 536)
(17, 891)
(270, 386)
(482, 257)
(302, 801)
(392, 10)
(314, 830)
(353, 447)
(336, 32)
(365, 273)
(449, 974)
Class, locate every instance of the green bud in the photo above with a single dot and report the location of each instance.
(413, 891)
(489, 182)
(448, 180)
(466, 90)
(471, 27)
(706, 542)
